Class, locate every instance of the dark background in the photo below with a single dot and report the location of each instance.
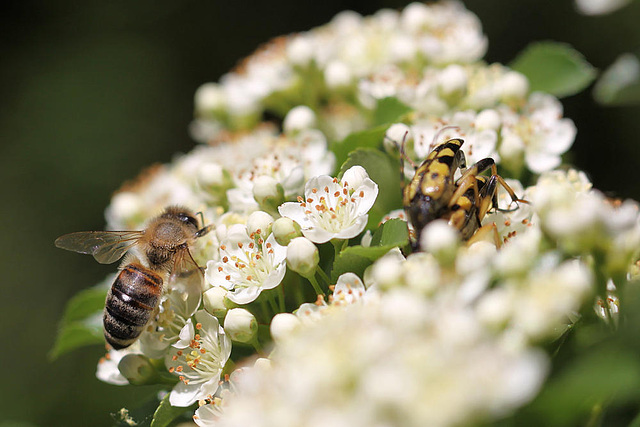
(92, 92)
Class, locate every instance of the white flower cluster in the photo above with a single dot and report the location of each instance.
(451, 334)
(336, 57)
(232, 173)
(427, 57)
(397, 360)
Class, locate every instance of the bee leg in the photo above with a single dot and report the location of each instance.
(487, 233)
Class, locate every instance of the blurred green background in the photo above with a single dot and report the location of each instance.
(92, 92)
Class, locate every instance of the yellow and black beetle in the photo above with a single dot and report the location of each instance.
(433, 192)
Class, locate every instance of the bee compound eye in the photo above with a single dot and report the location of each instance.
(188, 219)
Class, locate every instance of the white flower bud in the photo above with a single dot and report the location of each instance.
(259, 222)
(494, 307)
(210, 174)
(346, 21)
(282, 324)
(300, 50)
(302, 256)
(285, 229)
(514, 86)
(124, 205)
(240, 325)
(488, 119)
(402, 47)
(209, 97)
(441, 240)
(396, 135)
(355, 176)
(213, 300)
(137, 369)
(416, 16)
(262, 363)
(511, 147)
(387, 271)
(337, 74)
(268, 192)
(453, 80)
(299, 118)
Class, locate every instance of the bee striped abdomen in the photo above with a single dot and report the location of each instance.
(131, 300)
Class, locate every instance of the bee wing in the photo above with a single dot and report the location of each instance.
(105, 246)
(186, 269)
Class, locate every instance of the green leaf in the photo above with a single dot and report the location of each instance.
(85, 303)
(555, 68)
(76, 335)
(166, 413)
(349, 261)
(81, 323)
(393, 232)
(389, 110)
(384, 171)
(603, 376)
(620, 83)
(370, 138)
(356, 259)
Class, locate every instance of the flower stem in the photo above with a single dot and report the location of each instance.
(265, 311)
(323, 275)
(297, 290)
(272, 303)
(257, 346)
(281, 300)
(316, 286)
(338, 245)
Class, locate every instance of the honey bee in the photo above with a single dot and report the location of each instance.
(433, 193)
(155, 255)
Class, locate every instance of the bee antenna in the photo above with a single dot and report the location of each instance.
(205, 228)
(201, 217)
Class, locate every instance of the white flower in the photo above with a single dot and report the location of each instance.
(518, 220)
(287, 161)
(247, 266)
(540, 131)
(298, 118)
(107, 370)
(332, 208)
(177, 304)
(551, 293)
(348, 290)
(211, 409)
(197, 359)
